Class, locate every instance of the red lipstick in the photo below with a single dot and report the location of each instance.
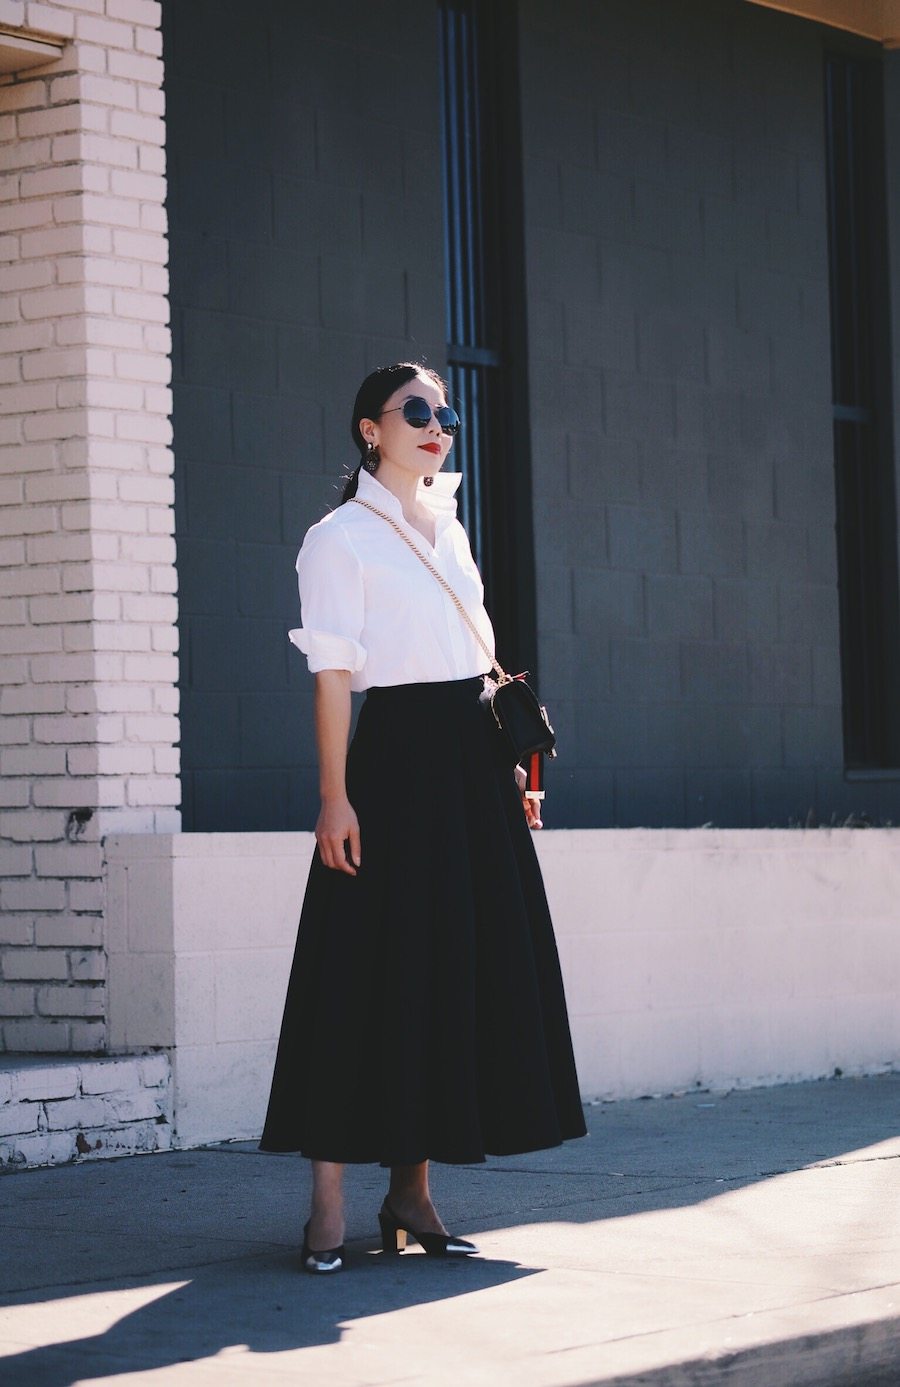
(431, 447)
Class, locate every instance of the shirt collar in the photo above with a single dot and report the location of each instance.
(440, 497)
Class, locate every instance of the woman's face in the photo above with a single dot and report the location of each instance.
(421, 451)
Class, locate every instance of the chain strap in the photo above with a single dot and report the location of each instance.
(504, 677)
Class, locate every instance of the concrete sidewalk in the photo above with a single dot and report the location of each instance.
(743, 1238)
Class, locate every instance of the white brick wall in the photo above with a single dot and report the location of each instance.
(88, 640)
(80, 1111)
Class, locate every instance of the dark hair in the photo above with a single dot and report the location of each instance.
(371, 397)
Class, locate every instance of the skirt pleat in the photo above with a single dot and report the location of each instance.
(425, 1016)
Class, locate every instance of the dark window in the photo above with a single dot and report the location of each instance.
(863, 444)
(484, 273)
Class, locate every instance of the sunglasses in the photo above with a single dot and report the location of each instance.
(417, 412)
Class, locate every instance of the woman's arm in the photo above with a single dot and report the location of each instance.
(337, 818)
(531, 806)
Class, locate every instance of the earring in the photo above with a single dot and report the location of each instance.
(429, 481)
(372, 458)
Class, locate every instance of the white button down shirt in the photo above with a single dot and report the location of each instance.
(369, 605)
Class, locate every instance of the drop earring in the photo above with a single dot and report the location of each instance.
(372, 458)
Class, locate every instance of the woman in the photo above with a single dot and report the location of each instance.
(425, 1016)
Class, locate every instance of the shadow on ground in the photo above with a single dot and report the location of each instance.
(186, 1256)
(282, 1310)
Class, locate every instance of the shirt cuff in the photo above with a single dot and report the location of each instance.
(325, 650)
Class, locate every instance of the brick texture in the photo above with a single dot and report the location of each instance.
(678, 294)
(58, 1112)
(87, 620)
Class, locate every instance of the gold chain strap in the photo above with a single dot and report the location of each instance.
(504, 677)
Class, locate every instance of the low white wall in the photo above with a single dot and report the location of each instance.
(200, 933)
(727, 957)
(713, 957)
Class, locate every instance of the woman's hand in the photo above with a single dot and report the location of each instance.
(337, 822)
(531, 806)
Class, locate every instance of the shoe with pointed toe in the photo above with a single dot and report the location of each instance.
(320, 1263)
(394, 1231)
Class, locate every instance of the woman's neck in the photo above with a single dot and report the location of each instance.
(402, 483)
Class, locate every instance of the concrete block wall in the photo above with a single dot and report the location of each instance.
(201, 929)
(681, 412)
(891, 67)
(307, 248)
(677, 301)
(726, 958)
(51, 1113)
(712, 958)
(88, 635)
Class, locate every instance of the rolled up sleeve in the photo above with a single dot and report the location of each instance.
(332, 602)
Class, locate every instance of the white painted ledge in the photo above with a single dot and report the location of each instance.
(74, 1108)
(712, 957)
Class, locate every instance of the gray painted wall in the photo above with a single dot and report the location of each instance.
(892, 172)
(306, 248)
(681, 407)
(679, 382)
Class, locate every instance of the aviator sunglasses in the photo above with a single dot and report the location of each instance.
(417, 413)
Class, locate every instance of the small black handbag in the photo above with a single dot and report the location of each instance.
(521, 721)
(521, 718)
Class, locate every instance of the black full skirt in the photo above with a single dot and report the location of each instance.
(425, 1017)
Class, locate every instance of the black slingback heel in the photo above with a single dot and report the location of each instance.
(320, 1263)
(394, 1231)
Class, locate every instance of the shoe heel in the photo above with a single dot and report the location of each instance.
(393, 1239)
